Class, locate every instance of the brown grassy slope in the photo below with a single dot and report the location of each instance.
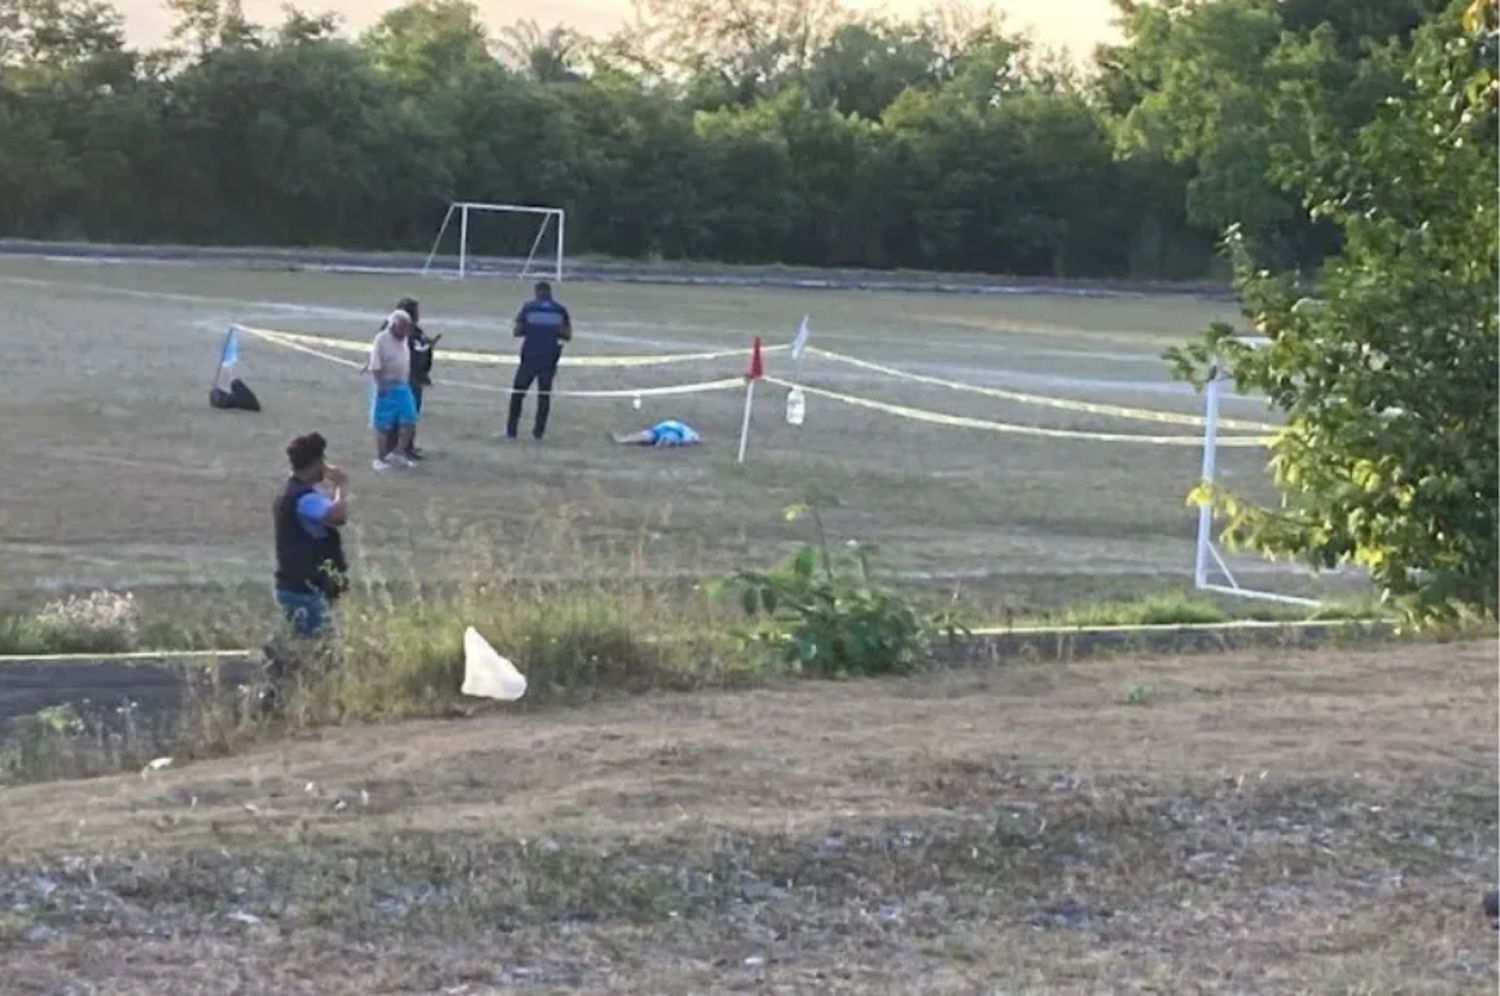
(1258, 823)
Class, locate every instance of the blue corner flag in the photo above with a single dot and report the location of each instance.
(229, 355)
(800, 343)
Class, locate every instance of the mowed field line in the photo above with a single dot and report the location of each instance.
(307, 343)
(602, 331)
(993, 335)
(989, 337)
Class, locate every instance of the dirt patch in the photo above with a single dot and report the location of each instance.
(1256, 823)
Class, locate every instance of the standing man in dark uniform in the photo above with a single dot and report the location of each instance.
(542, 325)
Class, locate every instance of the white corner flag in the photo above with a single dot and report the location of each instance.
(487, 675)
(800, 343)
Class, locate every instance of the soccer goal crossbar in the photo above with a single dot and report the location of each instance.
(544, 258)
(1209, 563)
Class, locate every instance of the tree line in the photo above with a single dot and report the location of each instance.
(760, 131)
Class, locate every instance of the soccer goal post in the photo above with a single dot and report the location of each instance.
(528, 243)
(1210, 570)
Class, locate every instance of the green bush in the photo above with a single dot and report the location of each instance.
(820, 611)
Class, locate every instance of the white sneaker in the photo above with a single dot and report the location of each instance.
(380, 465)
(400, 460)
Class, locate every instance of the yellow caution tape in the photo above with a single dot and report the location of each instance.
(1047, 401)
(958, 421)
(699, 387)
(510, 360)
(296, 342)
(280, 339)
(671, 390)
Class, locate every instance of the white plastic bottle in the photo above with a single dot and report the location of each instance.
(796, 407)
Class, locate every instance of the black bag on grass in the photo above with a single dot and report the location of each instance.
(239, 397)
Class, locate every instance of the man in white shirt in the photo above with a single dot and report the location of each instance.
(395, 405)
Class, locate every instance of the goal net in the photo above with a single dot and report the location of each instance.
(1211, 570)
(507, 240)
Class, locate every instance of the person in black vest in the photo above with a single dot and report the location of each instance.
(421, 347)
(311, 571)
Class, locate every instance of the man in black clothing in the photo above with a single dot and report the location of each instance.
(421, 347)
(542, 325)
(311, 569)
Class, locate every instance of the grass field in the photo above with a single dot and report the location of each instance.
(121, 475)
(1260, 823)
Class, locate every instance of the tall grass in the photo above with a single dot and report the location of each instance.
(1184, 608)
(613, 627)
(580, 617)
(107, 622)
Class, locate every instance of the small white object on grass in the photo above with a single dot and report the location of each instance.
(156, 765)
(796, 407)
(487, 675)
(635, 402)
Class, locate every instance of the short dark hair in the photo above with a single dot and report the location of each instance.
(408, 305)
(543, 289)
(306, 451)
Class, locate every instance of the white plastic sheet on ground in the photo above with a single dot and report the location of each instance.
(487, 675)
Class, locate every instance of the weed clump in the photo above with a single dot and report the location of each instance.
(821, 612)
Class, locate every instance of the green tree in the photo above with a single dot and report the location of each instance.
(640, 170)
(1387, 367)
(765, 131)
(866, 65)
(735, 51)
(545, 56)
(298, 27)
(1222, 88)
(318, 165)
(204, 26)
(41, 39)
(426, 45)
(1204, 73)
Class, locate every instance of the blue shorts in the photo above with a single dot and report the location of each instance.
(395, 405)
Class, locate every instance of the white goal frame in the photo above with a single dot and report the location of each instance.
(551, 264)
(1207, 555)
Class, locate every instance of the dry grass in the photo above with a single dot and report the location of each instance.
(1256, 823)
(397, 653)
(133, 482)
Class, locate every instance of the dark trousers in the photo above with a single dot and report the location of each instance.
(541, 372)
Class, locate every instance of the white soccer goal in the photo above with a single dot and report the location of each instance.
(1207, 556)
(529, 245)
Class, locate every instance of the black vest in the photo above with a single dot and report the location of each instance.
(421, 356)
(305, 564)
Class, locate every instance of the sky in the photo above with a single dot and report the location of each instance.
(1076, 25)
